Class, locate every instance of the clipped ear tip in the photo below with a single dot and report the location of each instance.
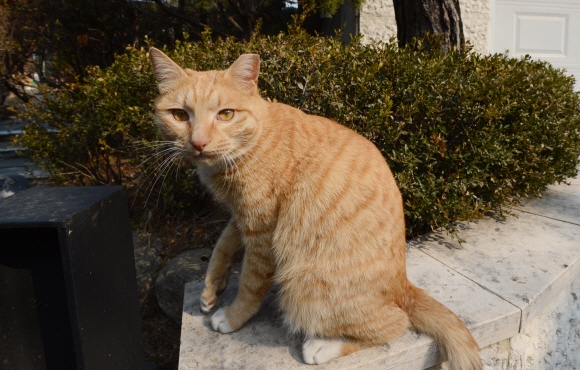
(251, 58)
(254, 57)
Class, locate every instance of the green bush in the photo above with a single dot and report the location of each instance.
(464, 133)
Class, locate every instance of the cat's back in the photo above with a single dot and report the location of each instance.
(339, 181)
(315, 136)
(329, 151)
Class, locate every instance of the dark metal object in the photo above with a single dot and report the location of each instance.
(347, 19)
(68, 291)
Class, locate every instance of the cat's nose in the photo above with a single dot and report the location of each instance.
(199, 144)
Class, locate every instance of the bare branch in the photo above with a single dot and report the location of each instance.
(237, 8)
(20, 94)
(229, 17)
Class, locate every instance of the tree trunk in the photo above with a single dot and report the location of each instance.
(439, 17)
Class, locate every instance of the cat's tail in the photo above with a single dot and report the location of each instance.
(431, 317)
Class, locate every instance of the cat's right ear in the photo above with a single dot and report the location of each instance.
(166, 71)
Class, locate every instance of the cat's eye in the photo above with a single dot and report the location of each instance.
(226, 114)
(180, 115)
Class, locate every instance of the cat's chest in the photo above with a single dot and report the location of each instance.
(252, 199)
(257, 218)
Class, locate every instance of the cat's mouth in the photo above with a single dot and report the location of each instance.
(203, 158)
(207, 158)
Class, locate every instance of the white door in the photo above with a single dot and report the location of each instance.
(545, 29)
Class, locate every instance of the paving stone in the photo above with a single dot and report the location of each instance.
(560, 202)
(524, 260)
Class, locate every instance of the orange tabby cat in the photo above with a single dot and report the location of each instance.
(316, 208)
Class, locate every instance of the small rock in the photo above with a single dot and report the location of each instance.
(11, 184)
(187, 267)
(147, 261)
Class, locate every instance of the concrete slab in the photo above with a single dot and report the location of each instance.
(263, 343)
(489, 317)
(524, 260)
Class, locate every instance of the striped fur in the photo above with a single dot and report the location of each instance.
(317, 210)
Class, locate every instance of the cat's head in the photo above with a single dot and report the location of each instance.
(211, 116)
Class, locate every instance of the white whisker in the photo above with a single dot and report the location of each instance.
(158, 154)
(178, 167)
(171, 166)
(160, 171)
(159, 159)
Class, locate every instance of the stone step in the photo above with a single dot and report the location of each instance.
(21, 166)
(8, 147)
(16, 162)
(10, 127)
(13, 132)
(10, 161)
(13, 127)
(10, 132)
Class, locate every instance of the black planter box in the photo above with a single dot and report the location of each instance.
(68, 291)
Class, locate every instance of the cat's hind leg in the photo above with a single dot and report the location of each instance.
(377, 326)
(318, 351)
(218, 270)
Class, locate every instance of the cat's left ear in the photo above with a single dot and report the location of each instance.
(245, 71)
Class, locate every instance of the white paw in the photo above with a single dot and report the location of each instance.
(318, 351)
(220, 323)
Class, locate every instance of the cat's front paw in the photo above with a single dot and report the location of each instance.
(219, 322)
(208, 301)
(214, 288)
(318, 351)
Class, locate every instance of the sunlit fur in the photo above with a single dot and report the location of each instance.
(316, 209)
